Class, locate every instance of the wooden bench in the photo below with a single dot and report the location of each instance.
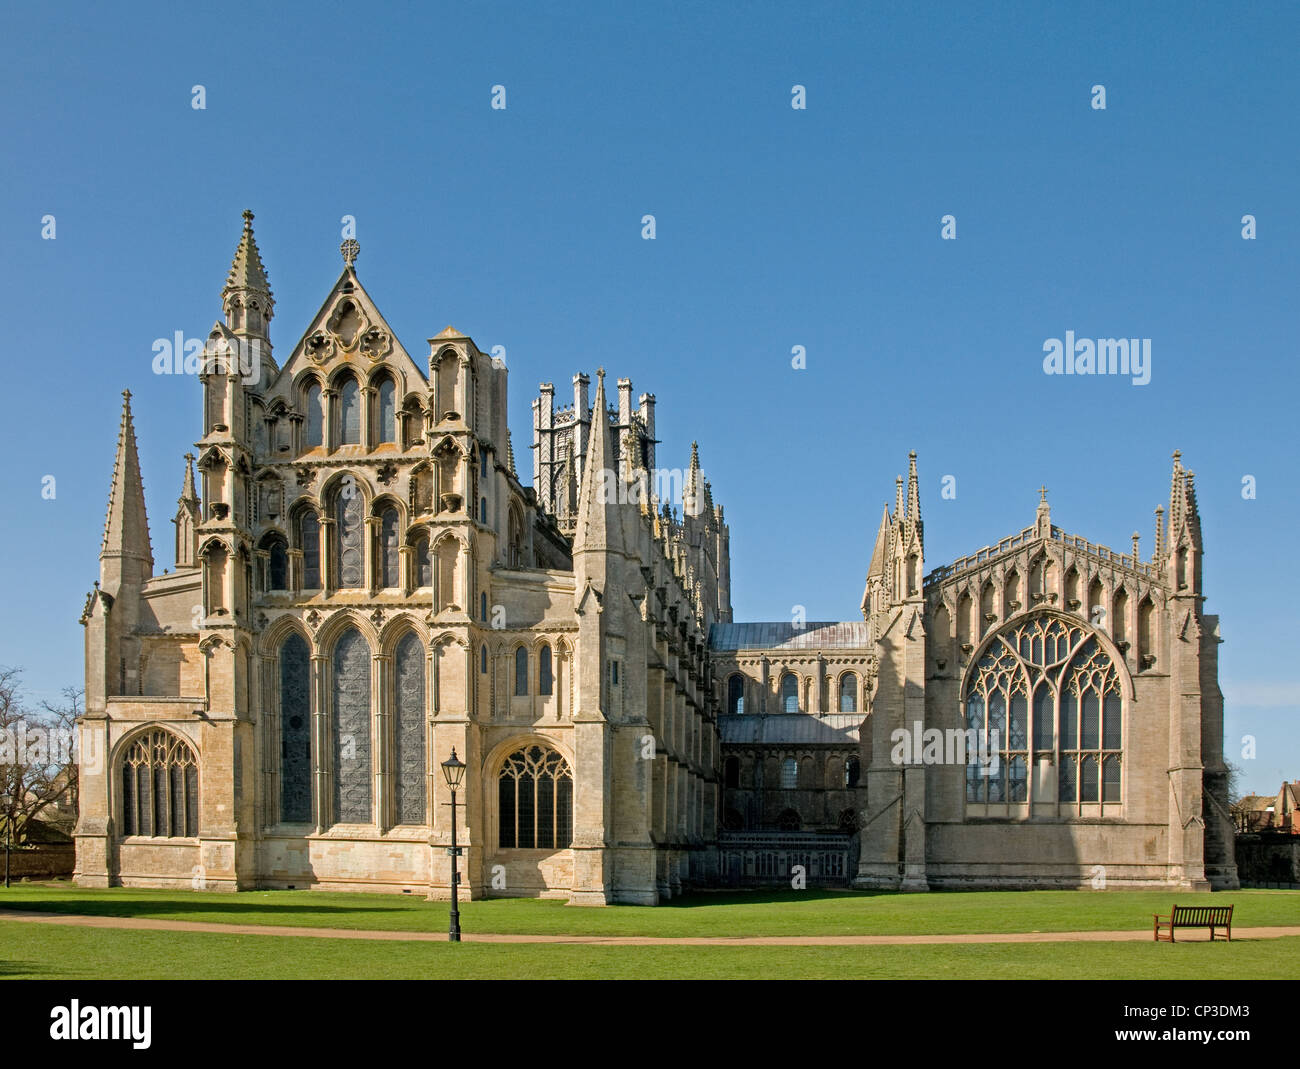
(1210, 917)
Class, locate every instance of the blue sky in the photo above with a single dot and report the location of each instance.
(775, 227)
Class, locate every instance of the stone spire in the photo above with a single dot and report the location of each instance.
(598, 526)
(510, 457)
(913, 493)
(899, 512)
(187, 519)
(570, 480)
(1159, 553)
(692, 496)
(246, 296)
(125, 556)
(880, 553)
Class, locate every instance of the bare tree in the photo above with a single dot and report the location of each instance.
(38, 763)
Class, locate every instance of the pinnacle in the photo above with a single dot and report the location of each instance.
(246, 270)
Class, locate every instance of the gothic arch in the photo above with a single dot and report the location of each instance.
(329, 632)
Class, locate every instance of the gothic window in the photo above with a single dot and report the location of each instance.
(482, 462)
(482, 510)
(731, 772)
(410, 731)
(848, 821)
(482, 659)
(535, 801)
(295, 731)
(736, 694)
(482, 607)
(349, 412)
(516, 539)
(1045, 697)
(387, 410)
(160, 787)
(849, 692)
(423, 563)
(388, 558)
(789, 693)
(789, 774)
(349, 524)
(521, 671)
(852, 772)
(789, 820)
(352, 775)
(315, 417)
(278, 566)
(309, 541)
(544, 671)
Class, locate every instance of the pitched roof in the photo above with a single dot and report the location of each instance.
(783, 635)
(837, 729)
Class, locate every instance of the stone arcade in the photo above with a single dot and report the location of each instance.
(362, 582)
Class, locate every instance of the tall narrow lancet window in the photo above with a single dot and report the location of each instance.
(160, 787)
(736, 694)
(535, 801)
(309, 543)
(521, 671)
(314, 429)
(349, 554)
(423, 565)
(295, 731)
(387, 411)
(544, 671)
(1045, 696)
(278, 566)
(789, 693)
(388, 558)
(352, 772)
(412, 806)
(350, 412)
(849, 692)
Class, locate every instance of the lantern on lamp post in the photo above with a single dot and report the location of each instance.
(453, 770)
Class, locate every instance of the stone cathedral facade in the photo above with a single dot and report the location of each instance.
(363, 584)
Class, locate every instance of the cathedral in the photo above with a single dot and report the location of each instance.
(363, 586)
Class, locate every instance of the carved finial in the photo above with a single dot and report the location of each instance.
(350, 250)
(600, 374)
(248, 219)
(126, 396)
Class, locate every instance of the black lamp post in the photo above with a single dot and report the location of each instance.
(454, 770)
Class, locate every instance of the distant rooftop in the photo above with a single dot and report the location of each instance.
(852, 635)
(837, 729)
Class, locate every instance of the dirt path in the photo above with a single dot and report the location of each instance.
(139, 924)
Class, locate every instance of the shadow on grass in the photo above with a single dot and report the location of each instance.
(108, 907)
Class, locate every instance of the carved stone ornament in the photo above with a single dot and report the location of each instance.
(376, 343)
(319, 347)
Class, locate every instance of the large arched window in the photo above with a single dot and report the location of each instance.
(409, 731)
(352, 773)
(314, 429)
(731, 773)
(789, 693)
(521, 671)
(789, 774)
(849, 692)
(535, 801)
(309, 542)
(1043, 713)
(349, 412)
(852, 772)
(736, 694)
(544, 671)
(388, 560)
(160, 787)
(295, 731)
(349, 525)
(387, 410)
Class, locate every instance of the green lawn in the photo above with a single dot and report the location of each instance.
(759, 913)
(52, 952)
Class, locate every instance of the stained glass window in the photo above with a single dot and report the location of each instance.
(352, 772)
(309, 540)
(350, 412)
(544, 671)
(349, 523)
(278, 566)
(388, 561)
(387, 411)
(736, 695)
(410, 732)
(1076, 717)
(315, 417)
(295, 731)
(160, 787)
(521, 671)
(535, 801)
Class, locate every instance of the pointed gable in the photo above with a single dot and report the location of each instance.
(126, 525)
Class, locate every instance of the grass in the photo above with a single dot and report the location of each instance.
(57, 952)
(760, 913)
